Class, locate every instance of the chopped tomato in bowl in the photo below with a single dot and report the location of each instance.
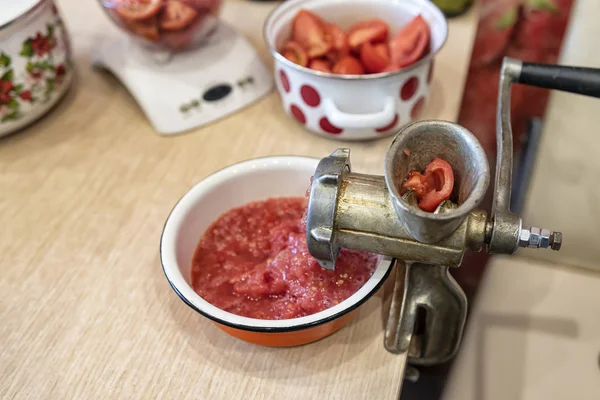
(165, 24)
(365, 47)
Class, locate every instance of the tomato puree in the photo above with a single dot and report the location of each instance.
(253, 261)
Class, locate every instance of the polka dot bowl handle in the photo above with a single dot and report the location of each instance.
(360, 121)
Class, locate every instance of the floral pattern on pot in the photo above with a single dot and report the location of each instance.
(23, 85)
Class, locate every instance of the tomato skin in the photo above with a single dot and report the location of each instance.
(147, 29)
(416, 182)
(339, 42)
(176, 15)
(441, 177)
(391, 68)
(409, 45)
(373, 31)
(308, 30)
(375, 58)
(204, 5)
(434, 186)
(348, 65)
(136, 10)
(183, 38)
(383, 50)
(320, 65)
(295, 53)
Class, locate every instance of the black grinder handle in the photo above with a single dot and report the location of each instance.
(579, 80)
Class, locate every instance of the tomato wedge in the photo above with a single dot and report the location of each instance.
(136, 10)
(201, 5)
(308, 30)
(183, 38)
(409, 45)
(320, 65)
(434, 186)
(374, 30)
(147, 29)
(176, 15)
(338, 40)
(295, 53)
(416, 182)
(391, 68)
(348, 65)
(375, 58)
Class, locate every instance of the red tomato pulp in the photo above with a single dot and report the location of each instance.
(253, 261)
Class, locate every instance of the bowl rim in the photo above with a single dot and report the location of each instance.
(184, 290)
(279, 57)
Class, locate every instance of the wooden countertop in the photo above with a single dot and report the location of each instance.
(85, 309)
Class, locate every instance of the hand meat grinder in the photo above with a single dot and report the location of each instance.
(366, 212)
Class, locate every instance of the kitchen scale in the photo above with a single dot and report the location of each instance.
(186, 90)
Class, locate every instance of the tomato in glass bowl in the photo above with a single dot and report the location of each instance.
(165, 24)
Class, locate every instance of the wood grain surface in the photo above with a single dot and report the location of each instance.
(85, 310)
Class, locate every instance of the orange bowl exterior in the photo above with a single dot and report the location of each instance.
(288, 339)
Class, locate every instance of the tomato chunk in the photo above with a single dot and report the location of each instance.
(176, 15)
(136, 10)
(416, 182)
(339, 42)
(147, 29)
(374, 30)
(433, 187)
(410, 44)
(183, 38)
(295, 53)
(391, 68)
(363, 48)
(348, 65)
(320, 65)
(308, 30)
(375, 58)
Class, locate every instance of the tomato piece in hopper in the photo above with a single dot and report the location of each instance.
(433, 187)
(253, 261)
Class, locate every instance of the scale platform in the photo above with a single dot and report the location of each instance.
(192, 88)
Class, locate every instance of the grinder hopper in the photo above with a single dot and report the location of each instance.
(367, 212)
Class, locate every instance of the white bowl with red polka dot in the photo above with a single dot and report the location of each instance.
(354, 107)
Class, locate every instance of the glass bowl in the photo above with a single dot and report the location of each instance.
(165, 25)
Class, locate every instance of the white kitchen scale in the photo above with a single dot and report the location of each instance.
(192, 88)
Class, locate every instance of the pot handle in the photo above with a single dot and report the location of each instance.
(360, 121)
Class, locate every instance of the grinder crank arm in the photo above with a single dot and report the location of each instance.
(507, 234)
